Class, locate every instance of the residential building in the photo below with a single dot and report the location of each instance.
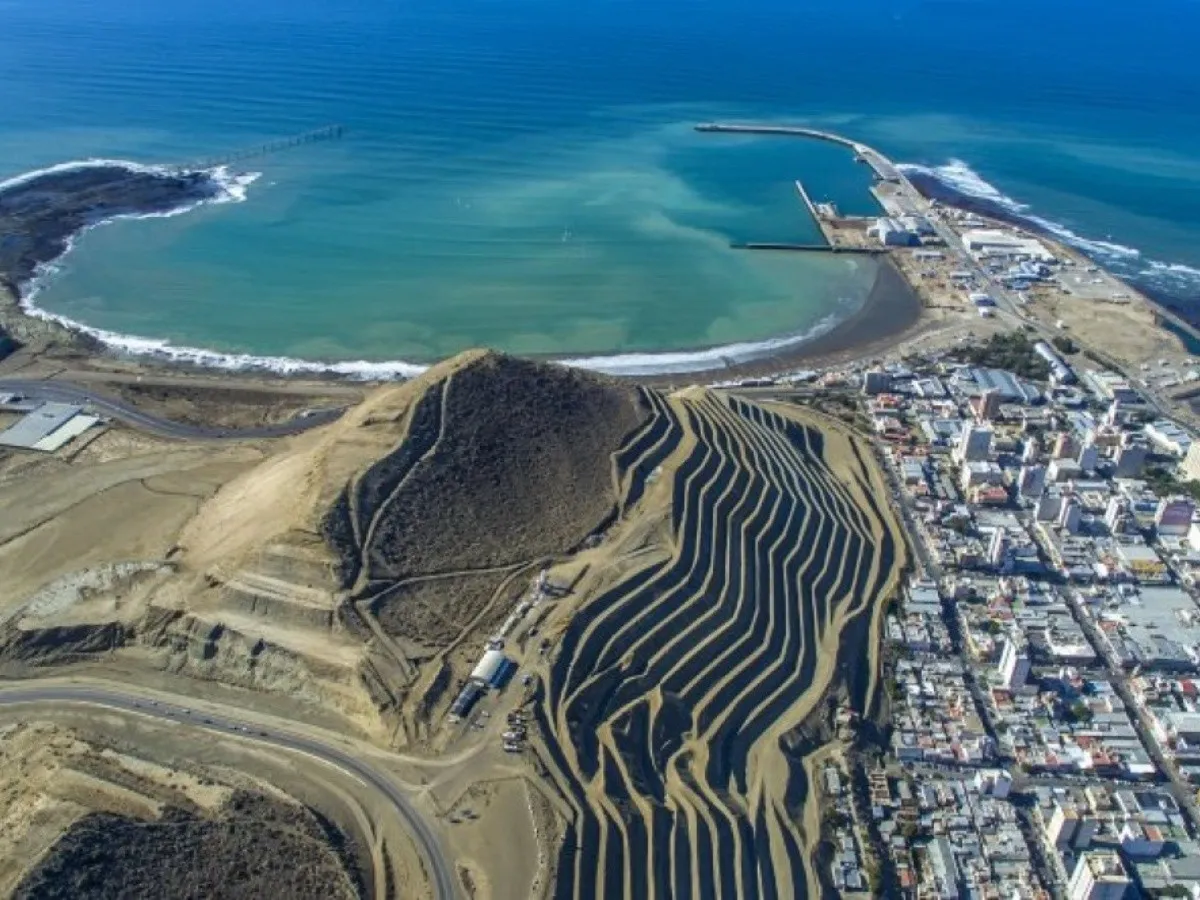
(1048, 507)
(1174, 515)
(989, 405)
(876, 381)
(1089, 457)
(1015, 664)
(975, 444)
(1064, 446)
(1063, 470)
(1098, 875)
(943, 870)
(1031, 482)
(1130, 461)
(979, 472)
(1117, 515)
(993, 783)
(1070, 516)
(998, 549)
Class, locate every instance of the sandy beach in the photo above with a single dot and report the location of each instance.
(892, 312)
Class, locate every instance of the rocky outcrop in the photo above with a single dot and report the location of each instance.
(58, 645)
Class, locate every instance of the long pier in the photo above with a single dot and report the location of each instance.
(327, 133)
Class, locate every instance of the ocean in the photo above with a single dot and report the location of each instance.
(524, 174)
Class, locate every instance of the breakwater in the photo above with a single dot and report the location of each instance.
(883, 167)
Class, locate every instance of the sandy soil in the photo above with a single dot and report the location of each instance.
(482, 811)
(696, 670)
(123, 510)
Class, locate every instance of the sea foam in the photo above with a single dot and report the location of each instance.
(1126, 261)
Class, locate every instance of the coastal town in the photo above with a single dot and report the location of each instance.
(1032, 724)
(1042, 727)
(1043, 662)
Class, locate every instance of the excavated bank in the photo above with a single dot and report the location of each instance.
(670, 701)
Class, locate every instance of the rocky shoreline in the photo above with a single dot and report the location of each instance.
(42, 212)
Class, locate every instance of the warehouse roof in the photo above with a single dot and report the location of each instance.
(38, 425)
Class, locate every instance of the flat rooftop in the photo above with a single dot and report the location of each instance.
(38, 425)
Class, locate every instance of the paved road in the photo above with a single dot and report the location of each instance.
(65, 392)
(427, 843)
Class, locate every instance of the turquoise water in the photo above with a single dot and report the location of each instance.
(523, 174)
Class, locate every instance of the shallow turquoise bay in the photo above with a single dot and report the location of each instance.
(524, 174)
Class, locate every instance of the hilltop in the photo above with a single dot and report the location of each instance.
(345, 565)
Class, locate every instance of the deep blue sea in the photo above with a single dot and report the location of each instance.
(524, 173)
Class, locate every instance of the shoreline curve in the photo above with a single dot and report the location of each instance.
(120, 189)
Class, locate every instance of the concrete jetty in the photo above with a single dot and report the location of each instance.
(883, 167)
(807, 248)
(814, 212)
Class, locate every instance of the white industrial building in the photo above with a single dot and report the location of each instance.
(992, 243)
(493, 669)
(47, 427)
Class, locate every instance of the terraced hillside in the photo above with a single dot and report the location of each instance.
(670, 713)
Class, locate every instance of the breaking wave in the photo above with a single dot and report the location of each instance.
(1164, 281)
(666, 363)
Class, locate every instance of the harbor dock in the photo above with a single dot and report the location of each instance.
(807, 248)
(812, 210)
(841, 234)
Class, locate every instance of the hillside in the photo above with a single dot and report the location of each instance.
(687, 585)
(350, 570)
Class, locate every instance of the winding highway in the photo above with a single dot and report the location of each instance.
(65, 392)
(441, 877)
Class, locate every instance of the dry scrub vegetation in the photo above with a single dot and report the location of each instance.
(258, 847)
